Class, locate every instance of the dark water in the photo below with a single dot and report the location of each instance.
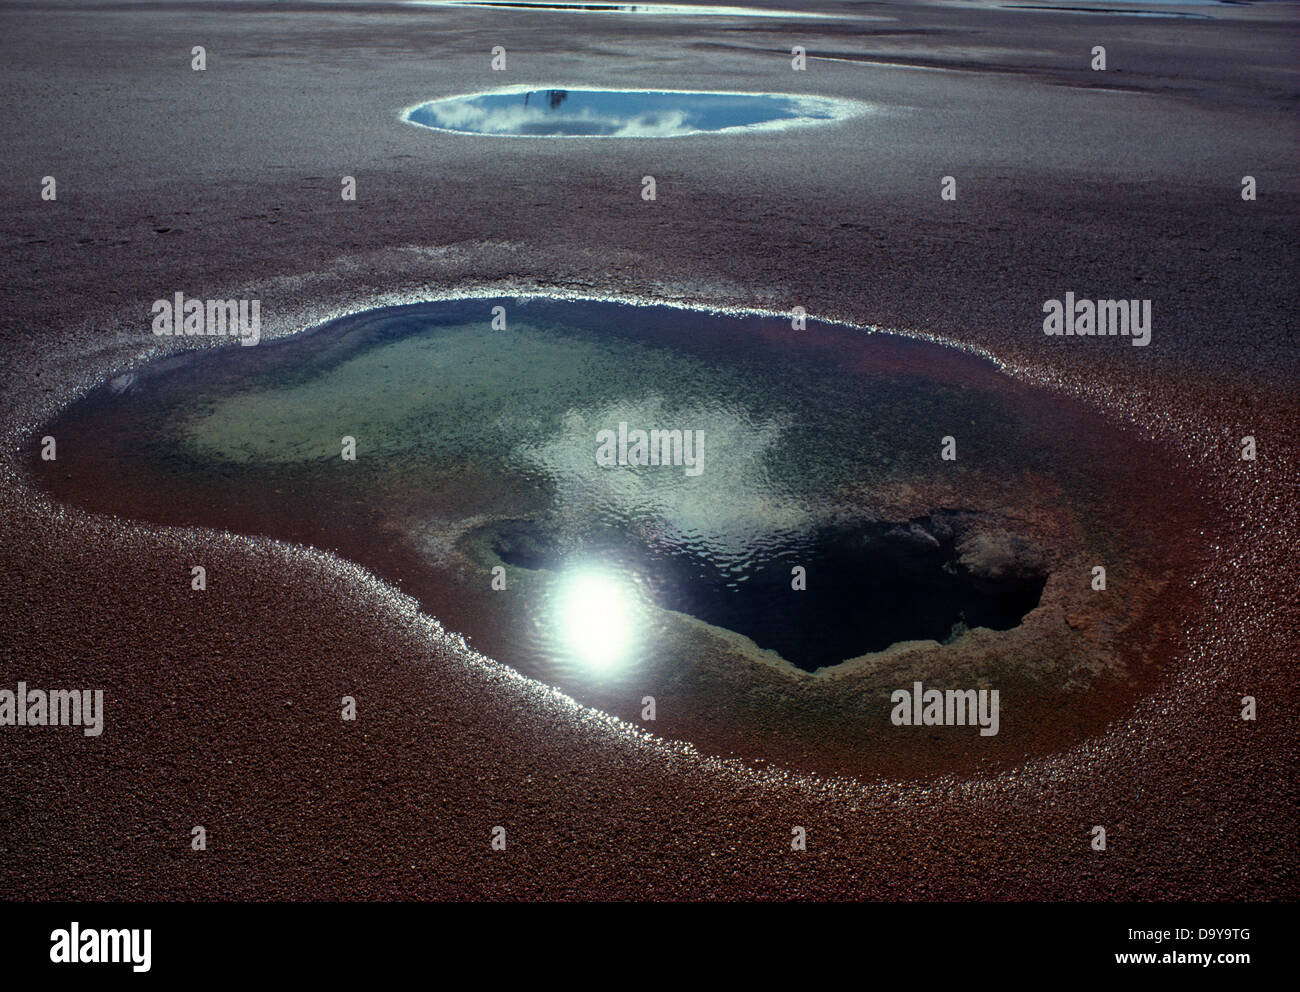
(873, 584)
(617, 113)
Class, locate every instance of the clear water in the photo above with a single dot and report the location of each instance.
(620, 113)
(478, 458)
(479, 447)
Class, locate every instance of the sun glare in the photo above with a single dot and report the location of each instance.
(596, 615)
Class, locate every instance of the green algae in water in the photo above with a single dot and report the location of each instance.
(534, 396)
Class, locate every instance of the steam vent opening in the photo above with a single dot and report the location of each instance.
(795, 547)
(591, 113)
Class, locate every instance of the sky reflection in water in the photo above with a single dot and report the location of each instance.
(620, 113)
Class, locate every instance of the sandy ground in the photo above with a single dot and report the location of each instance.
(223, 710)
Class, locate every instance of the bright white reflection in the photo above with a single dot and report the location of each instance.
(597, 611)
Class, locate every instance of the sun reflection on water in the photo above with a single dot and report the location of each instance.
(596, 617)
